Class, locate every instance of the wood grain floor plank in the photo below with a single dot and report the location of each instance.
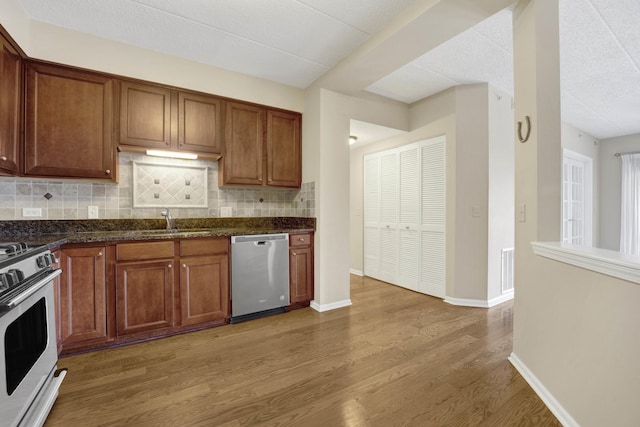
(394, 357)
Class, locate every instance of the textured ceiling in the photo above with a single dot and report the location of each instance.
(296, 41)
(599, 65)
(289, 41)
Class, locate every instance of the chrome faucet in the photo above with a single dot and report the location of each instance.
(167, 215)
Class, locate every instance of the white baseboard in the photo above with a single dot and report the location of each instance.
(554, 406)
(356, 272)
(463, 302)
(330, 306)
(502, 298)
(479, 303)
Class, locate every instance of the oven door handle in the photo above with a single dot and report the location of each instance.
(32, 289)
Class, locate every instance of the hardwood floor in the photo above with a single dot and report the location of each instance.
(393, 358)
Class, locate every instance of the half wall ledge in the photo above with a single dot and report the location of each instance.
(611, 263)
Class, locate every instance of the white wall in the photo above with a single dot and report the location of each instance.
(575, 331)
(327, 162)
(578, 141)
(610, 187)
(501, 187)
(479, 131)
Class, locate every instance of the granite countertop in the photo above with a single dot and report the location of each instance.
(56, 233)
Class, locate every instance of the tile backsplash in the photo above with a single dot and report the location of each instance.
(70, 199)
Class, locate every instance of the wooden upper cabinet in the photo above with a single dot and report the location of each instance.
(145, 115)
(199, 123)
(244, 141)
(161, 118)
(262, 147)
(284, 158)
(68, 123)
(10, 90)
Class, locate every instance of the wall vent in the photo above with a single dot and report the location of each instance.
(507, 270)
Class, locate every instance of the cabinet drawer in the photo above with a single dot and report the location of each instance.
(204, 246)
(146, 250)
(304, 239)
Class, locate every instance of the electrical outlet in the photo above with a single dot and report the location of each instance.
(92, 212)
(31, 212)
(225, 212)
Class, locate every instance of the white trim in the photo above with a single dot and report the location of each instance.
(545, 395)
(611, 263)
(479, 303)
(331, 306)
(506, 296)
(464, 302)
(356, 272)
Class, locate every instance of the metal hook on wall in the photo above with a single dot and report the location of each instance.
(526, 137)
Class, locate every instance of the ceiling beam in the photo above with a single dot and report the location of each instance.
(422, 26)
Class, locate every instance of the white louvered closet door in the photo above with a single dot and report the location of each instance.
(389, 199)
(409, 190)
(371, 215)
(433, 212)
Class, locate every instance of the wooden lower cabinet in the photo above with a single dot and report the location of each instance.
(204, 288)
(204, 280)
(82, 297)
(300, 269)
(144, 296)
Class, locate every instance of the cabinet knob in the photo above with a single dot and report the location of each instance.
(387, 226)
(3, 158)
(407, 227)
(99, 254)
(301, 239)
(108, 171)
(184, 265)
(294, 254)
(170, 266)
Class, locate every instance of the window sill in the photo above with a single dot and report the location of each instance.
(603, 261)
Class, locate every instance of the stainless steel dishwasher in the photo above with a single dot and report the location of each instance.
(259, 275)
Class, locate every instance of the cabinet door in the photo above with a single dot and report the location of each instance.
(69, 116)
(145, 115)
(243, 149)
(199, 123)
(301, 274)
(144, 296)
(284, 156)
(82, 296)
(10, 89)
(204, 288)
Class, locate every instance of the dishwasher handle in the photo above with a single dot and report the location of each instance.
(262, 243)
(259, 238)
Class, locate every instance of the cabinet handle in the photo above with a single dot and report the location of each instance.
(108, 171)
(3, 158)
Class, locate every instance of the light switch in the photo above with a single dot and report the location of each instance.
(475, 211)
(522, 212)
